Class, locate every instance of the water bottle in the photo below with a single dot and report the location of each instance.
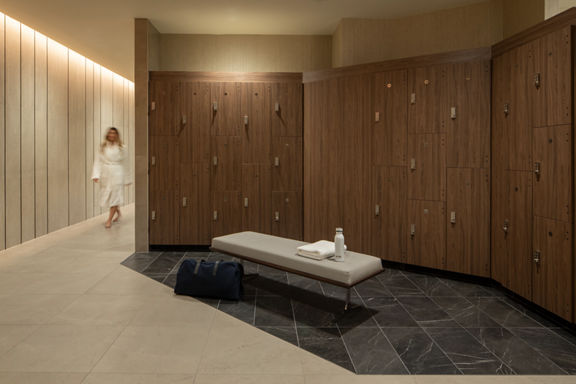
(339, 245)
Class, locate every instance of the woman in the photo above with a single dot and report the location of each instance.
(112, 171)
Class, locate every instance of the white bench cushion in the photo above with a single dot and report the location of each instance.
(281, 252)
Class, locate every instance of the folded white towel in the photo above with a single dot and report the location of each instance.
(319, 250)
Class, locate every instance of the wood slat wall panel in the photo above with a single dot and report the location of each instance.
(27, 133)
(41, 135)
(13, 135)
(98, 137)
(89, 148)
(2, 135)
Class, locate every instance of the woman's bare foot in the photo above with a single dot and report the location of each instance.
(118, 216)
(108, 224)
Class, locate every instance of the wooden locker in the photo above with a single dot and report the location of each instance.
(468, 115)
(164, 165)
(287, 164)
(518, 120)
(427, 167)
(226, 163)
(537, 82)
(519, 250)
(501, 96)
(164, 217)
(427, 99)
(389, 224)
(286, 107)
(196, 117)
(468, 221)
(287, 214)
(227, 213)
(389, 135)
(256, 195)
(553, 172)
(499, 226)
(256, 122)
(426, 234)
(558, 77)
(164, 117)
(553, 281)
(195, 204)
(226, 104)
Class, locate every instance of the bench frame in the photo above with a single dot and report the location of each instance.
(301, 273)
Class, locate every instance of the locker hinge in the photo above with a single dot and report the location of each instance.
(452, 217)
(377, 210)
(246, 120)
(245, 202)
(153, 215)
(153, 106)
(184, 202)
(537, 80)
(377, 117)
(506, 227)
(277, 107)
(453, 113)
(276, 161)
(215, 106)
(506, 109)
(537, 172)
(536, 257)
(412, 230)
(215, 215)
(153, 161)
(413, 98)
(276, 216)
(412, 164)
(215, 160)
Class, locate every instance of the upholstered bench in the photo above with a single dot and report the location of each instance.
(280, 253)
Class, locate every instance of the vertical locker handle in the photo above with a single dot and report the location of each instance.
(277, 107)
(153, 215)
(537, 256)
(453, 113)
(184, 120)
(215, 215)
(276, 161)
(412, 164)
(276, 216)
(377, 117)
(537, 80)
(153, 106)
(537, 170)
(153, 161)
(215, 160)
(453, 217)
(184, 202)
(506, 227)
(506, 109)
(245, 202)
(412, 230)
(377, 210)
(215, 106)
(413, 98)
(246, 120)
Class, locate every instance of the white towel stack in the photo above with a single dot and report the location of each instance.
(319, 250)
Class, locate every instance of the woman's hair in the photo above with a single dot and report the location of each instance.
(119, 141)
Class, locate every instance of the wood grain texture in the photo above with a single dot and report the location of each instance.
(256, 134)
(558, 76)
(227, 172)
(553, 192)
(165, 118)
(226, 119)
(287, 175)
(227, 215)
(468, 237)
(389, 134)
(195, 133)
(27, 133)
(427, 246)
(429, 111)
(468, 133)
(287, 121)
(256, 195)
(552, 276)
(230, 77)
(286, 214)
(2, 135)
(89, 147)
(77, 138)
(13, 135)
(196, 204)
(389, 223)
(428, 180)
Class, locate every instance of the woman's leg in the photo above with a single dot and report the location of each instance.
(118, 214)
(110, 217)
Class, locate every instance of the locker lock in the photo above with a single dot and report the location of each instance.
(537, 255)
(412, 164)
(153, 161)
(245, 202)
(184, 120)
(215, 106)
(215, 215)
(412, 230)
(276, 216)
(413, 98)
(506, 227)
(506, 109)
(153, 215)
(276, 161)
(377, 210)
(537, 172)
(452, 217)
(453, 113)
(215, 160)
(537, 80)
(184, 202)
(153, 106)
(246, 120)
(377, 117)
(277, 107)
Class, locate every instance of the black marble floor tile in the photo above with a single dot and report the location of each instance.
(389, 312)
(309, 315)
(274, 311)
(467, 353)
(546, 322)
(503, 314)
(372, 288)
(468, 289)
(426, 312)
(326, 343)
(551, 345)
(159, 277)
(217, 256)
(266, 285)
(305, 283)
(371, 352)
(140, 261)
(464, 312)
(399, 285)
(211, 302)
(432, 286)
(243, 310)
(565, 334)
(285, 333)
(271, 273)
(163, 264)
(514, 352)
(419, 353)
(339, 293)
(170, 280)
(356, 317)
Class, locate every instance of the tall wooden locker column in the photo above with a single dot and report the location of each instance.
(532, 189)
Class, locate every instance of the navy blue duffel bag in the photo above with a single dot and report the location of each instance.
(217, 280)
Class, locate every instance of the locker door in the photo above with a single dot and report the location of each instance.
(226, 104)
(468, 221)
(519, 251)
(389, 220)
(427, 99)
(558, 78)
(256, 194)
(501, 96)
(287, 214)
(426, 234)
(553, 284)
(468, 115)
(195, 204)
(164, 117)
(227, 213)
(287, 164)
(226, 163)
(427, 167)
(389, 135)
(164, 187)
(256, 122)
(553, 172)
(519, 121)
(286, 107)
(500, 225)
(195, 128)
(537, 82)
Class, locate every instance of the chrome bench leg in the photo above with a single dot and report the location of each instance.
(347, 299)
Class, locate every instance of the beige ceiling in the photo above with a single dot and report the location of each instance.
(102, 30)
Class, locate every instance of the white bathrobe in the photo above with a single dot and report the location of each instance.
(111, 167)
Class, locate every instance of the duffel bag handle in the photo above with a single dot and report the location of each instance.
(215, 268)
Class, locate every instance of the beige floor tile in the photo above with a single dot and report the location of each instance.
(235, 347)
(10, 335)
(123, 378)
(249, 379)
(41, 378)
(101, 310)
(61, 283)
(58, 348)
(124, 281)
(170, 350)
(175, 311)
(357, 379)
(20, 309)
(312, 364)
